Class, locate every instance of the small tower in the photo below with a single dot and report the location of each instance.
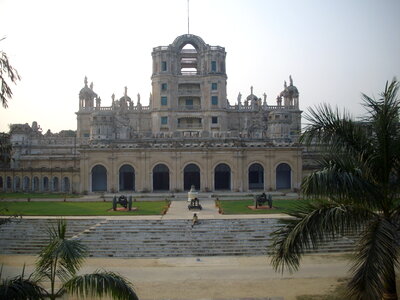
(87, 96)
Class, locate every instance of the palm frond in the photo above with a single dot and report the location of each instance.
(334, 130)
(101, 284)
(63, 255)
(312, 225)
(20, 288)
(377, 255)
(342, 178)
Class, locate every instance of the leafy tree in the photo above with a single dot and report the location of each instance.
(61, 259)
(356, 189)
(6, 70)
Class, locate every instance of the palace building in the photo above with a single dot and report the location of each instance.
(189, 134)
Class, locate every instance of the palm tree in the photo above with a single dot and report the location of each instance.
(356, 189)
(6, 70)
(61, 259)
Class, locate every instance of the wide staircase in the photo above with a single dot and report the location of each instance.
(155, 238)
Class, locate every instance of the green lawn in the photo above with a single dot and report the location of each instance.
(49, 208)
(232, 207)
(36, 195)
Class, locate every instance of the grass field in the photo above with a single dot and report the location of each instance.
(49, 208)
(36, 195)
(232, 207)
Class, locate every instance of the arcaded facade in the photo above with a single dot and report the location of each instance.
(189, 134)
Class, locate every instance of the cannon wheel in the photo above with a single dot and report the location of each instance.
(115, 203)
(130, 203)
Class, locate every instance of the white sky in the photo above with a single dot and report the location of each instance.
(334, 49)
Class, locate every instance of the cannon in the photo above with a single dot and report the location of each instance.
(194, 204)
(123, 201)
(262, 199)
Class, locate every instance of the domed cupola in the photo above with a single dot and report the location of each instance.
(87, 95)
(290, 94)
(251, 99)
(125, 101)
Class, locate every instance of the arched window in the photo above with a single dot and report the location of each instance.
(256, 177)
(25, 184)
(56, 184)
(126, 178)
(160, 178)
(191, 176)
(45, 184)
(65, 185)
(99, 179)
(35, 184)
(283, 177)
(222, 177)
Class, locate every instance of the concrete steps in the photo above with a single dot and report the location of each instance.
(155, 238)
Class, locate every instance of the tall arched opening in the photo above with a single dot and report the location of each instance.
(222, 177)
(56, 184)
(45, 184)
(26, 184)
(256, 177)
(283, 177)
(160, 178)
(126, 178)
(191, 176)
(17, 184)
(8, 183)
(65, 185)
(99, 179)
(35, 184)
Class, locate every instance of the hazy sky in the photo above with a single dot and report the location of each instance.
(334, 50)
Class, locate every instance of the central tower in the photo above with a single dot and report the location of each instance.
(188, 88)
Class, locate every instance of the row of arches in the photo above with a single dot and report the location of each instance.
(191, 176)
(35, 184)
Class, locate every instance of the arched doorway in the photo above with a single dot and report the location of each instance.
(191, 176)
(99, 179)
(65, 185)
(35, 184)
(26, 184)
(126, 178)
(45, 184)
(283, 177)
(222, 177)
(160, 178)
(56, 185)
(256, 177)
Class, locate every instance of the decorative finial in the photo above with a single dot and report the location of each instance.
(126, 91)
(285, 84)
(113, 97)
(85, 81)
(265, 98)
(290, 80)
(91, 85)
(251, 89)
(138, 98)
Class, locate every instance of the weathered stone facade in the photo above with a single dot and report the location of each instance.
(189, 134)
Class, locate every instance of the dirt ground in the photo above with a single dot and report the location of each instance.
(211, 277)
